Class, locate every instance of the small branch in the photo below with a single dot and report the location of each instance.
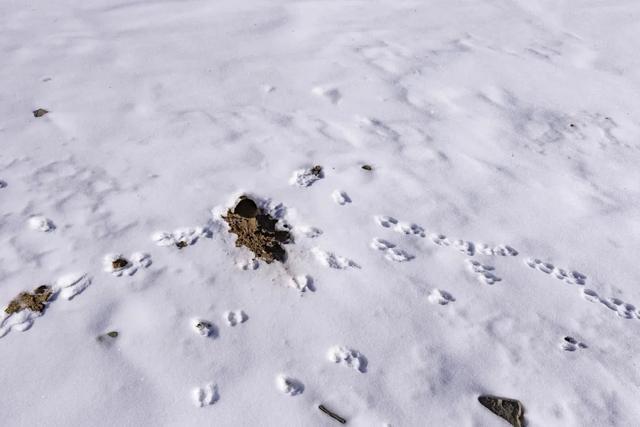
(332, 414)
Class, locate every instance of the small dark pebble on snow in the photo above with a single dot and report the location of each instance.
(39, 112)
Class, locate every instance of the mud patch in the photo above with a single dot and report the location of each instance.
(256, 230)
(35, 301)
(508, 409)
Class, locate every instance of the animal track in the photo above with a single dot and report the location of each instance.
(465, 246)
(302, 283)
(204, 328)
(310, 232)
(571, 344)
(40, 223)
(306, 177)
(569, 277)
(73, 284)
(289, 385)
(118, 265)
(398, 226)
(205, 396)
(181, 238)
(332, 94)
(392, 253)
(438, 296)
(340, 197)
(248, 264)
(348, 357)
(67, 286)
(485, 273)
(331, 260)
(234, 318)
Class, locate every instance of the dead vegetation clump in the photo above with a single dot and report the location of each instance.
(256, 230)
(34, 301)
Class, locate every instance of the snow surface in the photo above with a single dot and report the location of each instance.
(504, 141)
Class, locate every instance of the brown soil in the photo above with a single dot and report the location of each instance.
(509, 409)
(119, 263)
(257, 231)
(34, 301)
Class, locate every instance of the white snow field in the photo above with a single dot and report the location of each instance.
(492, 247)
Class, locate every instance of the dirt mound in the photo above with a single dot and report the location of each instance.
(257, 231)
(35, 301)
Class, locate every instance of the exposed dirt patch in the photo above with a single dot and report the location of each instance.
(509, 409)
(34, 301)
(257, 231)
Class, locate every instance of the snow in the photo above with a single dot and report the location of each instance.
(499, 218)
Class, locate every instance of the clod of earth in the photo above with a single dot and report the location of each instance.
(256, 230)
(317, 171)
(35, 301)
(181, 244)
(509, 409)
(367, 167)
(119, 263)
(39, 112)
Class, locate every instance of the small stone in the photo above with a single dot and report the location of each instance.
(508, 409)
(367, 167)
(112, 334)
(39, 112)
(181, 244)
(317, 171)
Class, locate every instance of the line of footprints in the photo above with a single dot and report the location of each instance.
(208, 394)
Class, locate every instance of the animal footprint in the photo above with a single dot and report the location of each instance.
(400, 227)
(118, 265)
(303, 283)
(247, 264)
(234, 318)
(622, 309)
(331, 260)
(340, 197)
(180, 238)
(571, 344)
(440, 239)
(386, 221)
(466, 247)
(205, 396)
(484, 272)
(332, 94)
(310, 232)
(438, 296)
(348, 357)
(71, 285)
(289, 385)
(204, 328)
(306, 177)
(40, 223)
(569, 277)
(500, 250)
(391, 252)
